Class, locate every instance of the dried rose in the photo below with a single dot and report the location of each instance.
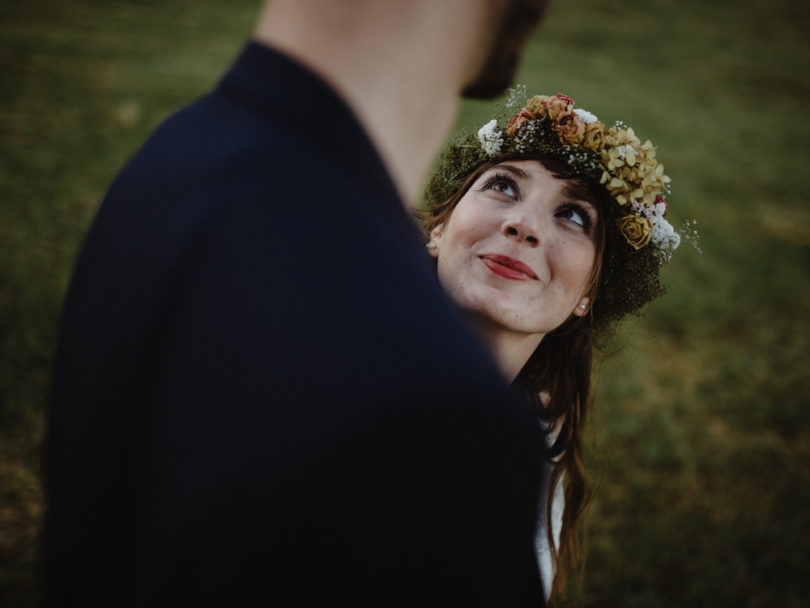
(542, 105)
(536, 103)
(635, 229)
(569, 128)
(518, 119)
(559, 105)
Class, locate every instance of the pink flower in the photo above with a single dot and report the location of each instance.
(559, 106)
(552, 107)
(518, 119)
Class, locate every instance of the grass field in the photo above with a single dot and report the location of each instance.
(700, 436)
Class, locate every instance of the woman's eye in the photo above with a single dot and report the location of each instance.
(504, 187)
(576, 216)
(502, 184)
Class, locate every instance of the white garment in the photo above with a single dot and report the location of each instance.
(541, 545)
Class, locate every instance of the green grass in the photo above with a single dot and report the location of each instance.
(699, 440)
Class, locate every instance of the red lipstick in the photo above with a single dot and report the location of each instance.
(507, 267)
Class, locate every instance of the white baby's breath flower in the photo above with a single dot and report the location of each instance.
(638, 208)
(664, 236)
(490, 138)
(585, 116)
(652, 212)
(516, 96)
(690, 233)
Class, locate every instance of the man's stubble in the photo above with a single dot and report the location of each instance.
(518, 18)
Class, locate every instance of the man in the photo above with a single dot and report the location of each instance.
(260, 392)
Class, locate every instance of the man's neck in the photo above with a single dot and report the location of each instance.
(510, 350)
(401, 77)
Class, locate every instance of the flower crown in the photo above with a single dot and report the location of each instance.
(611, 158)
(614, 157)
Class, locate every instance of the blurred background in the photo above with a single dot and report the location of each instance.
(699, 439)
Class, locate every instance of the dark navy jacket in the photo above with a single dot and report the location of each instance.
(260, 392)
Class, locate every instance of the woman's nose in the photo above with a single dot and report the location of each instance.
(522, 229)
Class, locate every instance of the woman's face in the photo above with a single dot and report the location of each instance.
(518, 249)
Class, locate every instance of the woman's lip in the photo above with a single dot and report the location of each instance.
(507, 267)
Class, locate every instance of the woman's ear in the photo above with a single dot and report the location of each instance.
(582, 306)
(435, 240)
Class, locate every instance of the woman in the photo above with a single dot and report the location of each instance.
(546, 233)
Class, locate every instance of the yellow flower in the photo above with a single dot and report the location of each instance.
(632, 174)
(635, 229)
(594, 137)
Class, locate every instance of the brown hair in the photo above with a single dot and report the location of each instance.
(560, 367)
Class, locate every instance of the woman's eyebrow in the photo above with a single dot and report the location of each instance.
(513, 170)
(571, 192)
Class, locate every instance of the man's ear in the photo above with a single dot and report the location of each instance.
(582, 306)
(435, 240)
